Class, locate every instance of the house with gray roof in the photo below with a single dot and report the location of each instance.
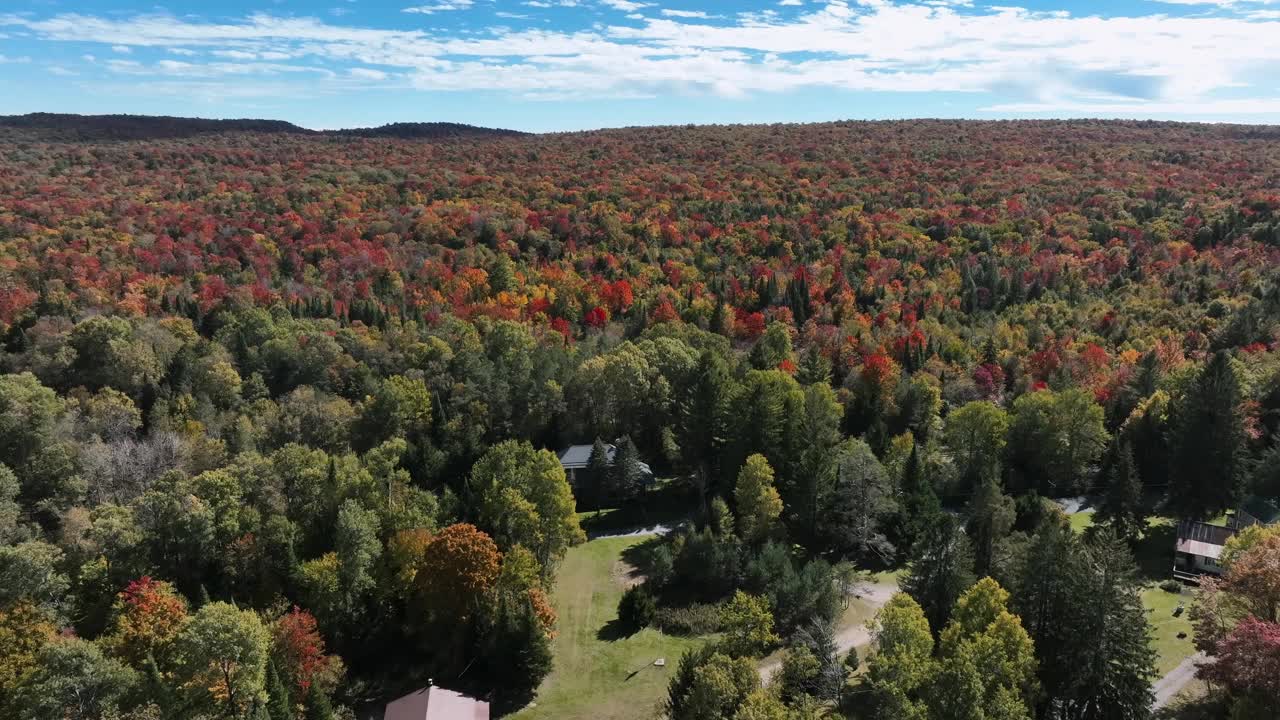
(1199, 545)
(576, 458)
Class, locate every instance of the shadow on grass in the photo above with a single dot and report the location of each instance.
(668, 501)
(1154, 553)
(640, 557)
(615, 630)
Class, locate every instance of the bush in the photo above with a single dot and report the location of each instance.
(1171, 586)
(637, 609)
(696, 619)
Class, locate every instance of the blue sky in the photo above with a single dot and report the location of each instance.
(546, 65)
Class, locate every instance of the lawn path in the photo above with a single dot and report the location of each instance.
(874, 594)
(1168, 687)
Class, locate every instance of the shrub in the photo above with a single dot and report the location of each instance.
(636, 609)
(696, 619)
(1171, 586)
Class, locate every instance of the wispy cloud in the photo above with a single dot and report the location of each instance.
(1037, 60)
(440, 7)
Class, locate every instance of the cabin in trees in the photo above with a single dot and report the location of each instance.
(1199, 544)
(576, 458)
(436, 703)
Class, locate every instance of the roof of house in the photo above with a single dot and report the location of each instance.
(1257, 510)
(435, 703)
(577, 457)
(1202, 538)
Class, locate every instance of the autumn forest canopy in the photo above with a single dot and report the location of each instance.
(280, 412)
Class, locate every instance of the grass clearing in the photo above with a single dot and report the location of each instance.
(1165, 627)
(1081, 520)
(597, 673)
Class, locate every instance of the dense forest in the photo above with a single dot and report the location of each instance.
(280, 412)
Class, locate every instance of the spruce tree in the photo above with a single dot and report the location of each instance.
(705, 422)
(628, 477)
(920, 503)
(598, 475)
(941, 569)
(1112, 663)
(991, 517)
(279, 704)
(1209, 449)
(318, 706)
(1121, 506)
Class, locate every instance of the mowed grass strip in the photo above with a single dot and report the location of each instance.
(600, 673)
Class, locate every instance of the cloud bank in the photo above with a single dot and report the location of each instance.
(1225, 58)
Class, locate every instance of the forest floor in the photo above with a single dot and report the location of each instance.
(601, 672)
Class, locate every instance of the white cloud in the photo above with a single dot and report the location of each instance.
(1037, 59)
(444, 6)
(122, 49)
(367, 74)
(625, 5)
(699, 14)
(791, 3)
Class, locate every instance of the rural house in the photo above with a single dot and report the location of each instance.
(576, 458)
(436, 703)
(1199, 544)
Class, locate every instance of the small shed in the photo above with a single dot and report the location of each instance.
(436, 703)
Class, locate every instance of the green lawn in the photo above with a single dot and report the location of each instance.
(1165, 627)
(597, 673)
(1081, 521)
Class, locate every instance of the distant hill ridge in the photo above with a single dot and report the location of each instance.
(58, 126)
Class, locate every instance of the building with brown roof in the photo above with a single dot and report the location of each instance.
(436, 703)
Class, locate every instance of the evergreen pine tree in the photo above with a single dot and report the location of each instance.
(1121, 506)
(598, 475)
(1112, 663)
(991, 517)
(704, 422)
(318, 706)
(920, 504)
(628, 477)
(279, 705)
(941, 569)
(717, 324)
(1209, 460)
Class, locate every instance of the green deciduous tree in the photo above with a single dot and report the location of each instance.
(1054, 440)
(709, 685)
(73, 680)
(523, 499)
(986, 658)
(748, 625)
(902, 667)
(757, 500)
(220, 660)
(976, 435)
